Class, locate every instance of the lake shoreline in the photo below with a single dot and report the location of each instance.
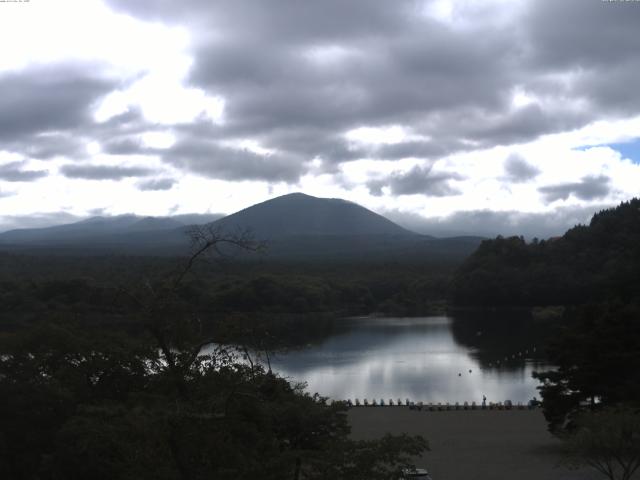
(473, 444)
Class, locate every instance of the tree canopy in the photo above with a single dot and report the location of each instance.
(83, 400)
(588, 263)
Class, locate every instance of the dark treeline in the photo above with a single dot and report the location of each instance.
(30, 286)
(592, 262)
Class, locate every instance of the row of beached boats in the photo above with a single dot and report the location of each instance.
(506, 405)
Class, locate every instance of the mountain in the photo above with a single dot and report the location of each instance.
(298, 214)
(305, 228)
(101, 229)
(197, 218)
(295, 227)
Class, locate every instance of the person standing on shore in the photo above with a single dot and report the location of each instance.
(484, 401)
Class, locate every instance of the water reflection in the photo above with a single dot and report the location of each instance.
(433, 359)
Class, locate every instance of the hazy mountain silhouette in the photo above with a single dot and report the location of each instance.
(102, 228)
(296, 226)
(299, 214)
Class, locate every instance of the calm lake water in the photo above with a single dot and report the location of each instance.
(430, 359)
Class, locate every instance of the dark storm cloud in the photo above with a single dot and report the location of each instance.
(518, 170)
(16, 172)
(418, 149)
(47, 111)
(489, 223)
(124, 146)
(589, 188)
(215, 161)
(45, 146)
(284, 19)
(393, 82)
(103, 172)
(156, 184)
(616, 91)
(417, 181)
(521, 125)
(600, 34)
(48, 99)
(597, 42)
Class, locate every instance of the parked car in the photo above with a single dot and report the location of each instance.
(415, 474)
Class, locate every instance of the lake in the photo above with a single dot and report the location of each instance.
(430, 359)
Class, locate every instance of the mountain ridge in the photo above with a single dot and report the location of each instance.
(295, 226)
(301, 214)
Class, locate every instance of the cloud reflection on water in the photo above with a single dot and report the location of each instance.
(416, 358)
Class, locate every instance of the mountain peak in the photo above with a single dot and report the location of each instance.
(301, 214)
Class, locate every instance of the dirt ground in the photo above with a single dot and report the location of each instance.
(474, 444)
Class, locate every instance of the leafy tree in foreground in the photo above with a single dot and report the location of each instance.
(608, 441)
(598, 360)
(80, 402)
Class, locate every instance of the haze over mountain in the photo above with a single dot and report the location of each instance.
(295, 226)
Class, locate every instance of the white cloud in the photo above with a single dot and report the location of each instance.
(377, 135)
(93, 148)
(163, 98)
(160, 140)
(387, 135)
(85, 30)
(152, 59)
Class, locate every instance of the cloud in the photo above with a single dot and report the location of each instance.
(40, 102)
(417, 181)
(124, 146)
(103, 172)
(417, 149)
(15, 172)
(589, 188)
(36, 220)
(156, 184)
(295, 78)
(96, 212)
(518, 170)
(596, 50)
(213, 160)
(490, 223)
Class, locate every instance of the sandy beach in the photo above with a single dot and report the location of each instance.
(474, 445)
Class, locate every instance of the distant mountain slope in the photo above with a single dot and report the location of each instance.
(101, 228)
(300, 214)
(296, 227)
(588, 263)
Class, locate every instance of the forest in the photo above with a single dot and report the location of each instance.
(594, 262)
(107, 376)
(99, 349)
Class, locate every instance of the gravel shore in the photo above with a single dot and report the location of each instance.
(474, 444)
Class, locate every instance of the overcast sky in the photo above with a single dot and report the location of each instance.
(479, 116)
